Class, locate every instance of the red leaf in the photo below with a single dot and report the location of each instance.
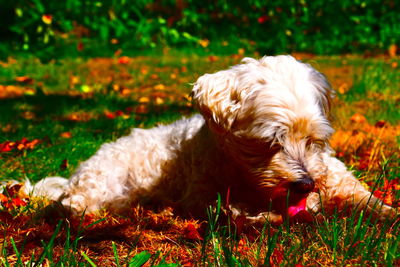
(380, 124)
(124, 60)
(109, 114)
(17, 202)
(119, 113)
(7, 146)
(64, 164)
(263, 19)
(212, 58)
(191, 232)
(80, 46)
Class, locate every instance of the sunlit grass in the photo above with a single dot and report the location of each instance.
(106, 99)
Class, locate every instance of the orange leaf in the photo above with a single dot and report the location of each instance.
(358, 118)
(20, 146)
(66, 135)
(159, 87)
(3, 198)
(124, 60)
(392, 50)
(47, 19)
(32, 144)
(204, 43)
(24, 79)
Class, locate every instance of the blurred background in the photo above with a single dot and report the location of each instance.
(99, 28)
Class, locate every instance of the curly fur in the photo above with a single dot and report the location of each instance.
(264, 132)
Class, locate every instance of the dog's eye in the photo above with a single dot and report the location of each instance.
(315, 142)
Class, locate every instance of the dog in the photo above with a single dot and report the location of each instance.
(262, 136)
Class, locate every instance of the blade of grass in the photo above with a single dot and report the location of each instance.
(115, 254)
(88, 259)
(17, 253)
(139, 259)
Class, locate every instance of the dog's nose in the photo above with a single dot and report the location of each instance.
(303, 185)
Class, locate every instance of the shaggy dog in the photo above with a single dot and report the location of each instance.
(263, 136)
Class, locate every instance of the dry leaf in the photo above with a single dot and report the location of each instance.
(392, 50)
(358, 118)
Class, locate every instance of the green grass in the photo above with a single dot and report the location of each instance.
(45, 114)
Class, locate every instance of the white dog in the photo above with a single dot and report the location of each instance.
(263, 135)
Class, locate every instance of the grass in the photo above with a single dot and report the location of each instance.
(73, 105)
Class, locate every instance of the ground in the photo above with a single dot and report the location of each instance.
(56, 114)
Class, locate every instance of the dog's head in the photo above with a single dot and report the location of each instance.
(271, 116)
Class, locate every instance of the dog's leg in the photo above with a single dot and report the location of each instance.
(100, 181)
(341, 189)
(259, 219)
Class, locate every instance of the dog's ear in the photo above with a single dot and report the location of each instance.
(218, 99)
(326, 93)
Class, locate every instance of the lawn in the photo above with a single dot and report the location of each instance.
(55, 115)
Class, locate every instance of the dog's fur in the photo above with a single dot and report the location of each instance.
(263, 134)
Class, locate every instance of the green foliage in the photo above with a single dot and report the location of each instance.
(272, 26)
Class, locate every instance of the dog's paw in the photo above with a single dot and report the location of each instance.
(313, 203)
(388, 213)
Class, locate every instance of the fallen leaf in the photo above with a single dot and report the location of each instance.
(144, 99)
(191, 232)
(6, 146)
(29, 91)
(24, 79)
(124, 60)
(3, 198)
(17, 202)
(64, 164)
(204, 43)
(159, 101)
(109, 115)
(392, 50)
(380, 124)
(74, 80)
(80, 46)
(212, 58)
(66, 135)
(343, 88)
(142, 109)
(159, 87)
(358, 118)
(47, 19)
(85, 88)
(262, 19)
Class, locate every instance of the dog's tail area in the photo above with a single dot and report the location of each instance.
(51, 187)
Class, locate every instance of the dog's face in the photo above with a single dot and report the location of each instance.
(270, 116)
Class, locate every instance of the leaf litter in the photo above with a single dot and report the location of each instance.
(154, 86)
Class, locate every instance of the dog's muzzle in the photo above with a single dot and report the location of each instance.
(303, 186)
